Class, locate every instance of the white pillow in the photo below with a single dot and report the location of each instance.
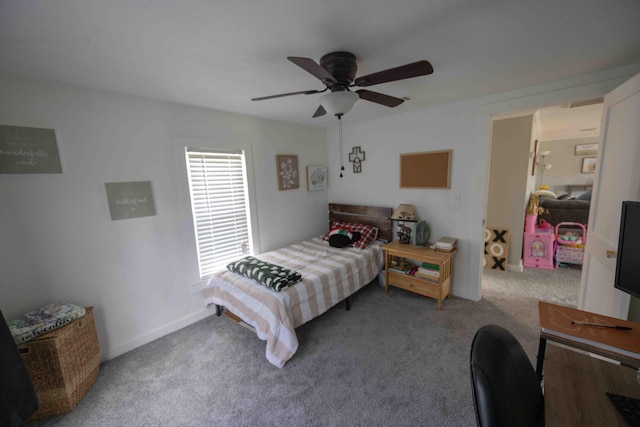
(546, 193)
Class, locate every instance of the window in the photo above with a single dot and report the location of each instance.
(219, 206)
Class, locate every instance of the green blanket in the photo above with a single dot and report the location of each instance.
(270, 275)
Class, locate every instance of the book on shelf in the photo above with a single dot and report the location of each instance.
(399, 270)
(422, 270)
(446, 244)
(556, 320)
(428, 272)
(427, 278)
(400, 265)
(429, 266)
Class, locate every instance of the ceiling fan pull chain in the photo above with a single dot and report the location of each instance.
(340, 139)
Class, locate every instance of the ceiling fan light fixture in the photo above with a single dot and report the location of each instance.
(338, 103)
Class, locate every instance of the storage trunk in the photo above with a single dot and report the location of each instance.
(63, 365)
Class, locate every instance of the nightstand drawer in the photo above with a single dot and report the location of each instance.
(421, 286)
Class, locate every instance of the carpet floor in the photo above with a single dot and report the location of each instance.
(393, 359)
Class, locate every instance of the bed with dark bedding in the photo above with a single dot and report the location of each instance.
(303, 280)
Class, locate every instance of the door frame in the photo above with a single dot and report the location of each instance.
(618, 144)
(565, 91)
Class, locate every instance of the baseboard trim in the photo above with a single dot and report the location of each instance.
(519, 268)
(153, 335)
(464, 295)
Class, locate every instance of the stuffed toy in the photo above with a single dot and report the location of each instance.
(341, 238)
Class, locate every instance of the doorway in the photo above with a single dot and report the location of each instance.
(545, 147)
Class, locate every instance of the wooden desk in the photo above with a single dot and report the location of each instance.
(575, 387)
(555, 325)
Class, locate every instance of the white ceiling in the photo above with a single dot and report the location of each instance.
(565, 121)
(221, 53)
(568, 121)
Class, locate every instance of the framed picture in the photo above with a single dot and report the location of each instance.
(288, 177)
(586, 149)
(589, 165)
(130, 199)
(28, 150)
(316, 178)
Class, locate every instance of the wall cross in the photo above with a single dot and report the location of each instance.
(357, 157)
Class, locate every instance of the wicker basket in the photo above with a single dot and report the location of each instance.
(63, 365)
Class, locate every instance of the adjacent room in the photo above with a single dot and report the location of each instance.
(554, 144)
(340, 178)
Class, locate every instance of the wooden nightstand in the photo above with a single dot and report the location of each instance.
(436, 287)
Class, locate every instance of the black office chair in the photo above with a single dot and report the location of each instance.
(18, 399)
(506, 389)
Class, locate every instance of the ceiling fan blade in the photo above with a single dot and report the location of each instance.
(302, 92)
(311, 66)
(379, 98)
(415, 69)
(319, 112)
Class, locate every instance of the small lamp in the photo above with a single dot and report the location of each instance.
(404, 213)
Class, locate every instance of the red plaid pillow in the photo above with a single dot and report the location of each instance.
(368, 233)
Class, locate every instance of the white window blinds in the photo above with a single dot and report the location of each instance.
(220, 207)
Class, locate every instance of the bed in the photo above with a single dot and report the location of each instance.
(329, 275)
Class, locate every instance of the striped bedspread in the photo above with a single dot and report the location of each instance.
(329, 275)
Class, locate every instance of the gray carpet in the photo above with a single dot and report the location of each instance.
(559, 286)
(393, 359)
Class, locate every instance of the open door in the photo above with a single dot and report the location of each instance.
(617, 179)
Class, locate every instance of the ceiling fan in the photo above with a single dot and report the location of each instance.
(337, 71)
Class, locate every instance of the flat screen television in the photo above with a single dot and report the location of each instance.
(627, 277)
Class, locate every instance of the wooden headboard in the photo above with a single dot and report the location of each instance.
(370, 215)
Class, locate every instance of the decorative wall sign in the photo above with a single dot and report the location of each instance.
(287, 165)
(586, 149)
(130, 199)
(496, 248)
(357, 157)
(316, 178)
(589, 165)
(28, 150)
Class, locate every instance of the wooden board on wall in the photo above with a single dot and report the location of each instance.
(425, 170)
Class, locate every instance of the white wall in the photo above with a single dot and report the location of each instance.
(566, 167)
(464, 127)
(383, 140)
(58, 241)
(508, 177)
